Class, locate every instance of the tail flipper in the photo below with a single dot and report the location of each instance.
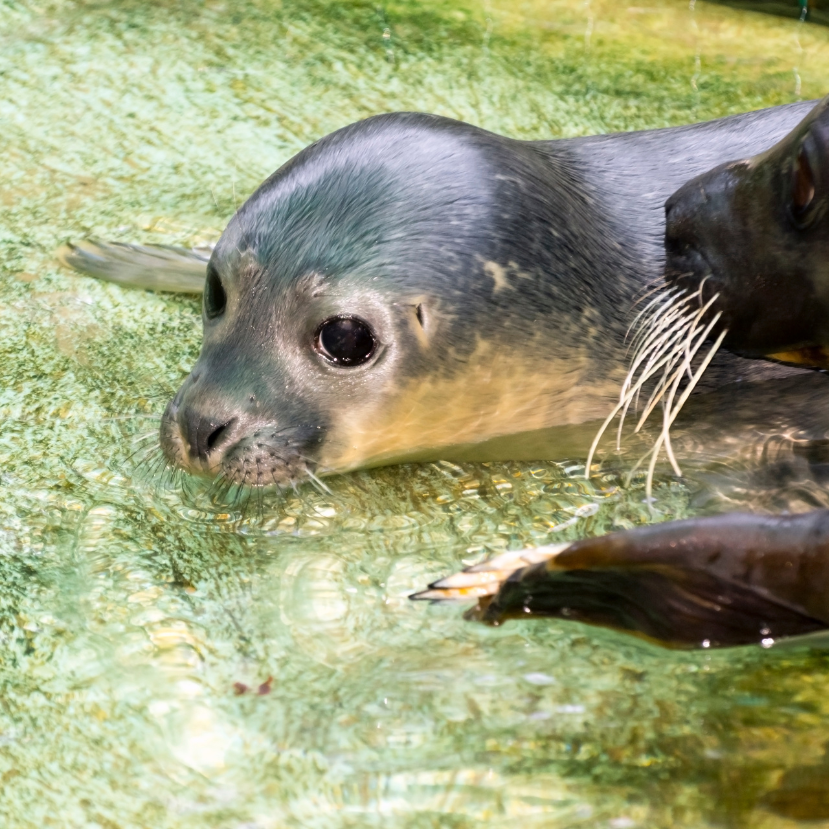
(151, 267)
(707, 582)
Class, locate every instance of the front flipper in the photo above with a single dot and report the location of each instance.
(151, 267)
(718, 581)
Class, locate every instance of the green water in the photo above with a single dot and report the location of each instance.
(165, 664)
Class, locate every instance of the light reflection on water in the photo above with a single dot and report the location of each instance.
(167, 661)
(287, 670)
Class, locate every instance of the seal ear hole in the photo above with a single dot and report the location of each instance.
(215, 297)
(345, 341)
(803, 187)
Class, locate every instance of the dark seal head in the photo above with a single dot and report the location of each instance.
(405, 284)
(756, 232)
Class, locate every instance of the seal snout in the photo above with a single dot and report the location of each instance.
(691, 215)
(684, 264)
(748, 235)
(207, 432)
(699, 233)
(204, 434)
(196, 435)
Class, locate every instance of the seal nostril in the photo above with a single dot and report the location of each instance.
(214, 437)
(204, 435)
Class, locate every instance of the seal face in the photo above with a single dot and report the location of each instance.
(402, 285)
(755, 232)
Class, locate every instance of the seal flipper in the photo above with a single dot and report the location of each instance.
(149, 267)
(723, 580)
(676, 607)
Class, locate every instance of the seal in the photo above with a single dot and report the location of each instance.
(755, 233)
(813, 12)
(412, 287)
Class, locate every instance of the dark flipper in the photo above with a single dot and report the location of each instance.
(151, 267)
(802, 793)
(718, 581)
(680, 608)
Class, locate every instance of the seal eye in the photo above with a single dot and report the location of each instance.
(803, 187)
(215, 297)
(346, 341)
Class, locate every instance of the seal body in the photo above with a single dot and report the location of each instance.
(411, 284)
(813, 12)
(747, 243)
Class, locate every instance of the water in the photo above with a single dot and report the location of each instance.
(168, 663)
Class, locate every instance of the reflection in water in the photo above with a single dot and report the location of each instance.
(167, 662)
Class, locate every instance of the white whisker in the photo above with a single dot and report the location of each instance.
(680, 403)
(666, 335)
(656, 342)
(661, 387)
(634, 389)
(684, 347)
(657, 322)
(660, 341)
(147, 436)
(317, 482)
(663, 351)
(663, 300)
(652, 338)
(691, 349)
(664, 347)
(665, 361)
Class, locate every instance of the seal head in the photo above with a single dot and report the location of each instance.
(405, 284)
(755, 232)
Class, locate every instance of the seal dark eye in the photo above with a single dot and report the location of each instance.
(215, 298)
(803, 187)
(346, 341)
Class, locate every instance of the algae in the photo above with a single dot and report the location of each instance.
(168, 663)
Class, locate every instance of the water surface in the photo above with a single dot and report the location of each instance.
(167, 663)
